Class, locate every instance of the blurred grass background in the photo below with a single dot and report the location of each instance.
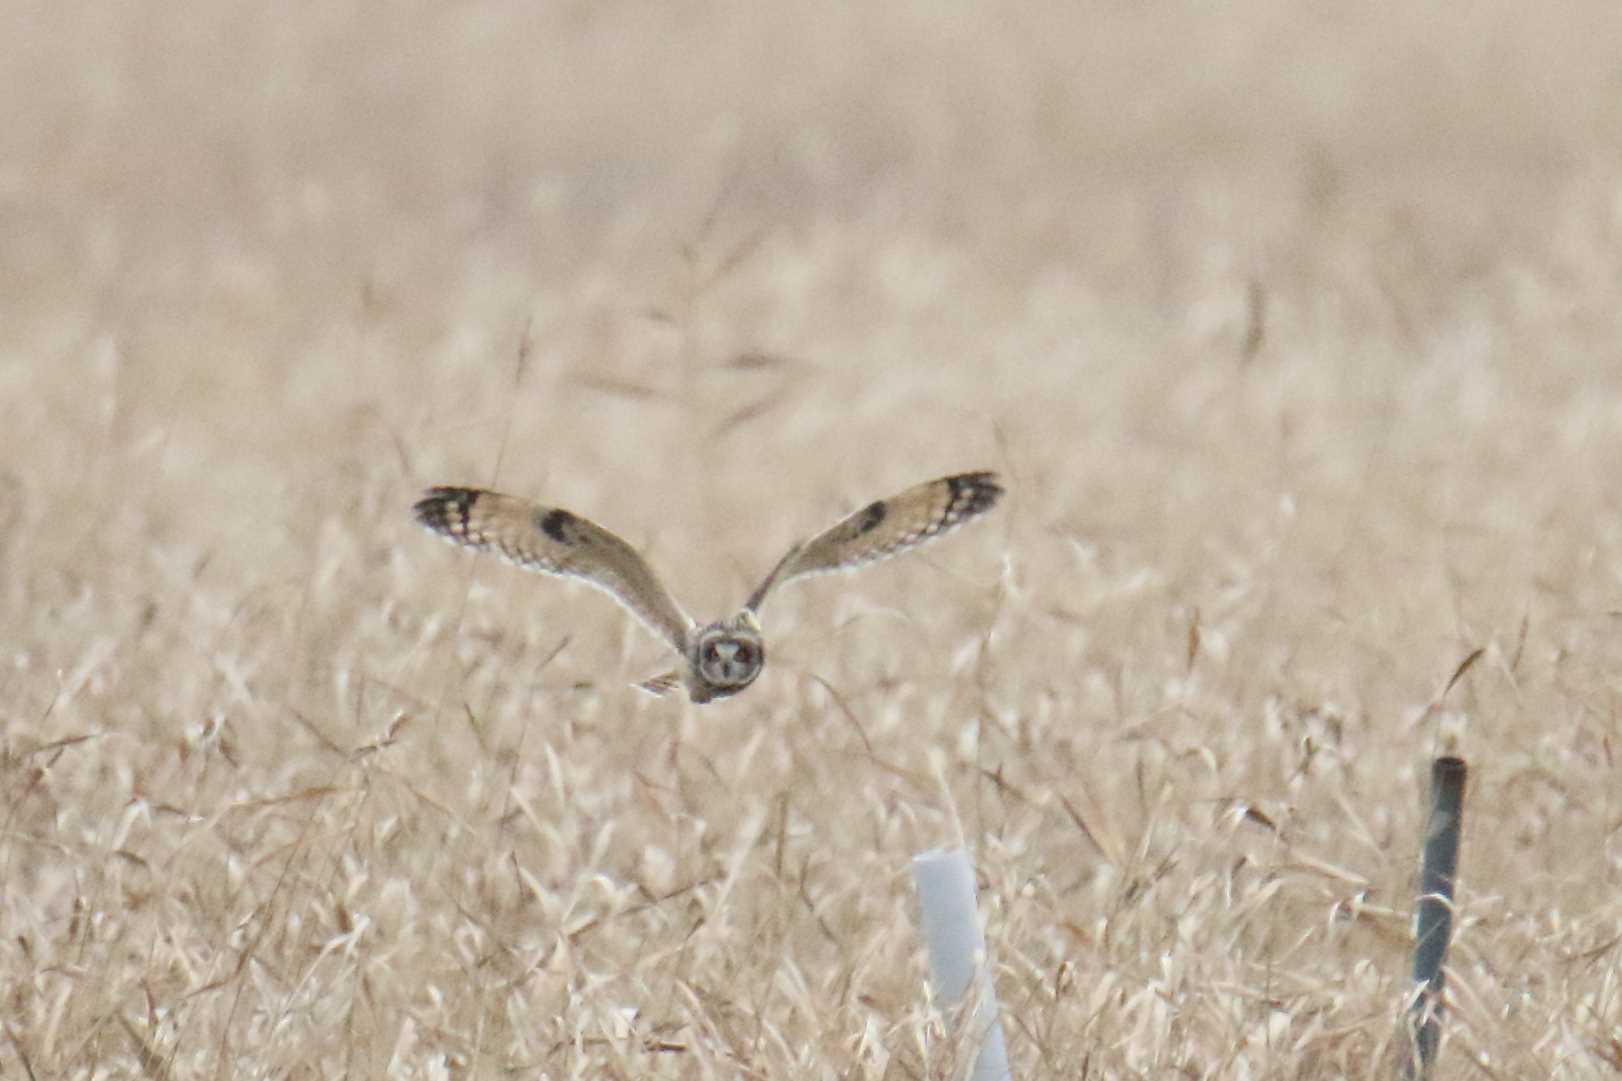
(1293, 329)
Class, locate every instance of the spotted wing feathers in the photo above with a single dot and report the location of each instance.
(885, 527)
(555, 541)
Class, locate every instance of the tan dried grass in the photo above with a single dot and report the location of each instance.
(1295, 337)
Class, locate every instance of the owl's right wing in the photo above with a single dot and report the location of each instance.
(555, 541)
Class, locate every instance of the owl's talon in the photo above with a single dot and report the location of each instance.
(661, 685)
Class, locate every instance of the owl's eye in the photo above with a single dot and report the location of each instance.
(711, 653)
(744, 654)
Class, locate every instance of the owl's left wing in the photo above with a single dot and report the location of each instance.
(886, 527)
(555, 541)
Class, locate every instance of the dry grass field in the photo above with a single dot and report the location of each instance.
(1294, 330)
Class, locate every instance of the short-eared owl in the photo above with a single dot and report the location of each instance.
(724, 657)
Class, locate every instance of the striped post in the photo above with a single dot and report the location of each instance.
(1435, 916)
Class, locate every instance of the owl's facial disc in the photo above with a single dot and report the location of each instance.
(728, 657)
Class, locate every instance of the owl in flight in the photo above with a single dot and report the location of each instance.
(724, 657)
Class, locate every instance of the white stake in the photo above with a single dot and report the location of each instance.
(957, 953)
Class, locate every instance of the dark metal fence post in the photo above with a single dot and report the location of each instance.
(1435, 918)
